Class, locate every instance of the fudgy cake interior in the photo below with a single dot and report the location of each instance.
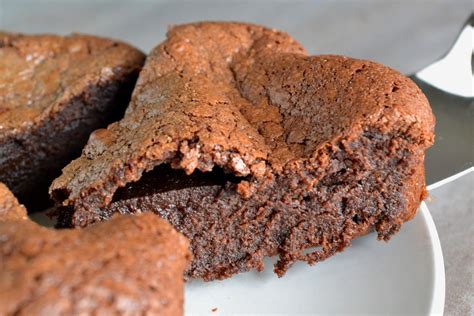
(163, 179)
(30, 162)
(360, 188)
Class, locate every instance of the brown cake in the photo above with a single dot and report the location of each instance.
(252, 148)
(130, 265)
(10, 209)
(54, 91)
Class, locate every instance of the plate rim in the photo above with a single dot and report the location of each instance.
(439, 279)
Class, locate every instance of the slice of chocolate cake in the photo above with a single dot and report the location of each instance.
(252, 148)
(130, 265)
(54, 91)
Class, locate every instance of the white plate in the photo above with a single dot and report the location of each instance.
(402, 277)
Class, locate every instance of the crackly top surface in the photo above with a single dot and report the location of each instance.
(10, 208)
(242, 97)
(129, 265)
(38, 73)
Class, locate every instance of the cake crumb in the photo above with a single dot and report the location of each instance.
(214, 310)
(245, 189)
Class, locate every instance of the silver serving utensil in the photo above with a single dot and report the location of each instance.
(449, 86)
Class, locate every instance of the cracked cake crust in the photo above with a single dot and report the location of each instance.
(331, 136)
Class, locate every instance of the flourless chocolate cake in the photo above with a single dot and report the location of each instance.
(130, 265)
(54, 91)
(252, 148)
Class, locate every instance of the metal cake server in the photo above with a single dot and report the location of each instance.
(449, 86)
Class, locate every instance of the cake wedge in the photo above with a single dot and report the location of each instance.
(252, 148)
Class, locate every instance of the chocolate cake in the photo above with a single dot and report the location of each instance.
(10, 209)
(252, 148)
(54, 91)
(130, 265)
